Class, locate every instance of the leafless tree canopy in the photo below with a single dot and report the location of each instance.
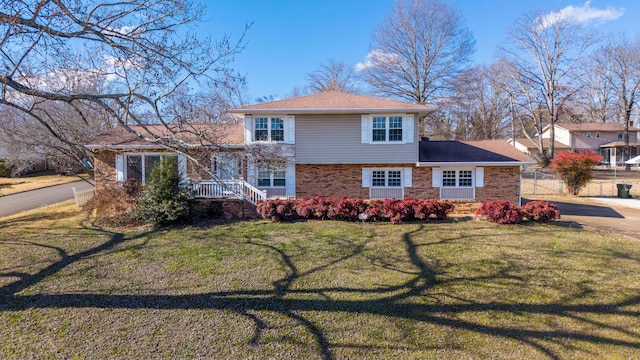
(618, 68)
(543, 52)
(482, 107)
(332, 76)
(417, 50)
(129, 61)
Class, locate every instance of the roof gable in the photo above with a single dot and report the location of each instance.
(485, 151)
(333, 102)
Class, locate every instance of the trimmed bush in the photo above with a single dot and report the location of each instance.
(540, 211)
(320, 208)
(164, 200)
(501, 212)
(278, 210)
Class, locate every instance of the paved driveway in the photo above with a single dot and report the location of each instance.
(15, 203)
(600, 214)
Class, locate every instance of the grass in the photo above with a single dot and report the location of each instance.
(325, 290)
(10, 186)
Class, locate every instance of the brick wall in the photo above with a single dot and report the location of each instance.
(500, 183)
(331, 181)
(104, 163)
(227, 208)
(421, 181)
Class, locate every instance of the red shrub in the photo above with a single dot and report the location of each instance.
(432, 208)
(346, 209)
(320, 208)
(398, 211)
(501, 212)
(375, 211)
(278, 210)
(574, 168)
(540, 211)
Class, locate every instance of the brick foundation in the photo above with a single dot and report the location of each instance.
(226, 208)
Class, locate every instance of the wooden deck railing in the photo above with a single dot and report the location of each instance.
(211, 189)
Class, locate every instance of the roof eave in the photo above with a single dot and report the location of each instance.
(471, 163)
(147, 147)
(332, 111)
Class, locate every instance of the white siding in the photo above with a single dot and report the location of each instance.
(337, 139)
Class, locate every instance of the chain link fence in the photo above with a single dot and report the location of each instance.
(539, 183)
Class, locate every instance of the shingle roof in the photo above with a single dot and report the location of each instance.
(201, 134)
(333, 102)
(483, 151)
(545, 143)
(619, 144)
(596, 127)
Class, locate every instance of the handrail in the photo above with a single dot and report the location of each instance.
(228, 189)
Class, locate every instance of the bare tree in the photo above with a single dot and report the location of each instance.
(543, 51)
(332, 76)
(417, 50)
(140, 52)
(481, 103)
(596, 96)
(622, 60)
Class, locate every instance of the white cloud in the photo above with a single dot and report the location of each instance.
(374, 58)
(581, 14)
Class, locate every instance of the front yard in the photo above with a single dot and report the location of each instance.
(326, 290)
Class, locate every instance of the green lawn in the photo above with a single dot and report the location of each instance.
(325, 290)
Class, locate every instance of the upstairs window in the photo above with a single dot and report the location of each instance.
(620, 136)
(262, 129)
(598, 135)
(379, 128)
(588, 134)
(269, 129)
(277, 129)
(387, 128)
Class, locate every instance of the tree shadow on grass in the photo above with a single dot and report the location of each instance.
(393, 301)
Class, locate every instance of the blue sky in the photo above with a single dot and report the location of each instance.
(290, 38)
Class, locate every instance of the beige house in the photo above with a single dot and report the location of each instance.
(330, 144)
(605, 138)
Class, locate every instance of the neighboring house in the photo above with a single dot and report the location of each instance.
(531, 147)
(605, 138)
(334, 144)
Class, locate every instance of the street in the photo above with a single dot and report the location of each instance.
(15, 203)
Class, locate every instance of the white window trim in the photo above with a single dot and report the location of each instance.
(271, 178)
(408, 126)
(288, 128)
(405, 177)
(457, 170)
(386, 177)
(181, 164)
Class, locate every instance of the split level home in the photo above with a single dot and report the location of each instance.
(607, 139)
(330, 144)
